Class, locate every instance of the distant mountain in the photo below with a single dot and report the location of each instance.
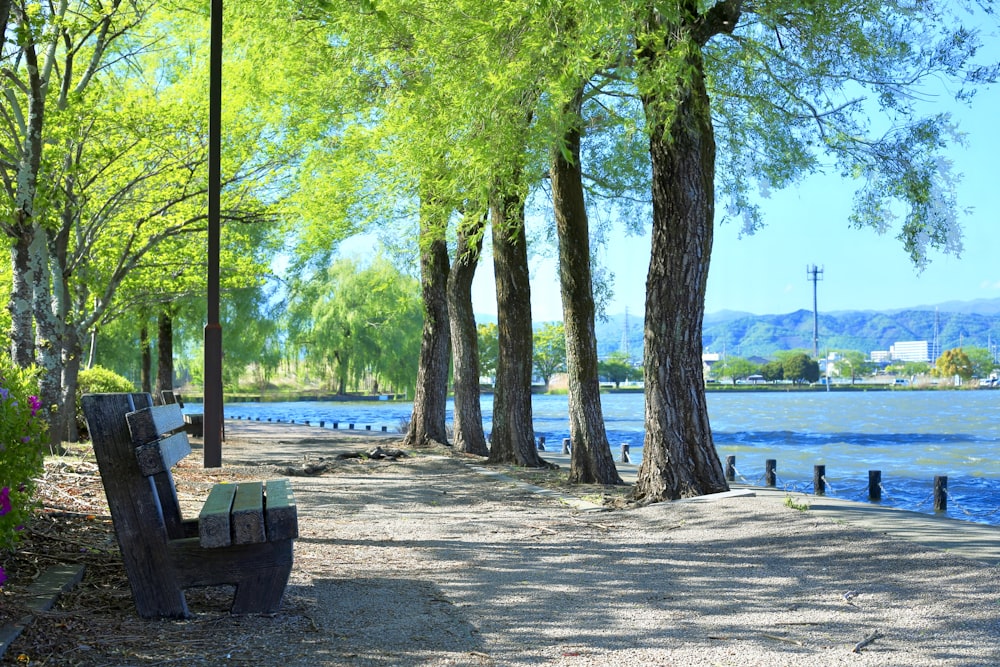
(957, 323)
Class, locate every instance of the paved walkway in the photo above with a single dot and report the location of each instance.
(965, 538)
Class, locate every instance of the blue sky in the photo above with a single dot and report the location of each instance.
(766, 273)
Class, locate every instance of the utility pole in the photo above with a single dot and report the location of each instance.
(815, 274)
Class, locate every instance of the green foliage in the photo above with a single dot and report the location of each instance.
(773, 371)
(734, 368)
(355, 323)
(617, 368)
(800, 367)
(852, 364)
(489, 349)
(549, 350)
(98, 380)
(22, 441)
(982, 361)
(953, 362)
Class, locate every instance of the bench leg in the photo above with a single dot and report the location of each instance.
(259, 571)
(262, 590)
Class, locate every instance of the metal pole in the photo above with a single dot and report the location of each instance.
(213, 328)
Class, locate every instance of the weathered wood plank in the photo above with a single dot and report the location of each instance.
(248, 513)
(134, 507)
(214, 527)
(280, 512)
(149, 424)
(163, 454)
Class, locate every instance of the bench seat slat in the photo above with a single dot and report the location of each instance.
(281, 514)
(248, 513)
(214, 528)
(150, 423)
(163, 454)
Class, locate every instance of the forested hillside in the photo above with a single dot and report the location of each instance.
(747, 335)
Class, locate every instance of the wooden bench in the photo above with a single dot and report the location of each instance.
(194, 422)
(242, 537)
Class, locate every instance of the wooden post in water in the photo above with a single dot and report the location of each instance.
(336, 425)
(322, 424)
(624, 458)
(566, 449)
(541, 443)
(730, 468)
(385, 428)
(819, 480)
(350, 427)
(940, 493)
(770, 478)
(875, 485)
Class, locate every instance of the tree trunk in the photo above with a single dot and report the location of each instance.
(430, 398)
(22, 333)
(468, 427)
(591, 461)
(513, 438)
(146, 362)
(164, 352)
(679, 457)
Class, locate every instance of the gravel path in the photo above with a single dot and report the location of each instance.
(427, 562)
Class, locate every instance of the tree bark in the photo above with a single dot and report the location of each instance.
(164, 352)
(430, 399)
(513, 438)
(591, 460)
(469, 437)
(679, 457)
(146, 362)
(22, 333)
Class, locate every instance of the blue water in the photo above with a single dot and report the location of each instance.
(910, 436)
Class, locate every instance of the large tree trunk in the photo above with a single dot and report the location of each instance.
(468, 427)
(513, 438)
(592, 461)
(679, 457)
(164, 352)
(430, 399)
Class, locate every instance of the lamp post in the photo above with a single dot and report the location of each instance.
(213, 328)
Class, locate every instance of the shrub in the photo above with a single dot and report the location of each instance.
(22, 449)
(98, 380)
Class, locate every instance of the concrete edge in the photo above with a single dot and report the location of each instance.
(42, 596)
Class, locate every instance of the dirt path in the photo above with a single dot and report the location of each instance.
(425, 561)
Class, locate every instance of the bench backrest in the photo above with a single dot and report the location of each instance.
(144, 507)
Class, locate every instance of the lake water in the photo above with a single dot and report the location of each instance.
(910, 436)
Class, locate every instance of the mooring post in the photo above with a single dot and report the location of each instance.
(541, 443)
(624, 458)
(875, 485)
(770, 478)
(819, 480)
(940, 493)
(385, 428)
(730, 468)
(368, 427)
(566, 449)
(336, 425)
(322, 423)
(350, 427)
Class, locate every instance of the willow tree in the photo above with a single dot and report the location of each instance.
(784, 88)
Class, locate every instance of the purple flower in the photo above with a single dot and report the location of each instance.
(4, 393)
(3, 576)
(5, 506)
(36, 405)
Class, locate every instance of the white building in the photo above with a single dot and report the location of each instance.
(911, 350)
